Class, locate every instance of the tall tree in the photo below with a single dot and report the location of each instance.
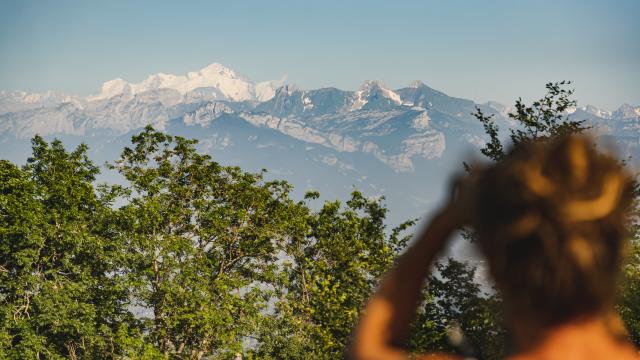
(455, 301)
(202, 241)
(334, 260)
(59, 295)
(629, 300)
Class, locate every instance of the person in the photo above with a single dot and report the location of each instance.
(551, 220)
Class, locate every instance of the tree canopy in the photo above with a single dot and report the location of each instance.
(191, 259)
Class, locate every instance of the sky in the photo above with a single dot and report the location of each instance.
(481, 50)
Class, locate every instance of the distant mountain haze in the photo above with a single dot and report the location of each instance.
(399, 143)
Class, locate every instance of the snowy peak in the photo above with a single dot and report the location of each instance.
(627, 111)
(13, 101)
(222, 84)
(372, 88)
(215, 70)
(592, 110)
(267, 89)
(498, 108)
(375, 95)
(286, 101)
(286, 90)
(113, 88)
(291, 101)
(624, 112)
(420, 95)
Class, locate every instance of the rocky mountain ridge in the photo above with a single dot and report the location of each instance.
(395, 127)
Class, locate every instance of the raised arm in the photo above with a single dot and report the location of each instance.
(384, 325)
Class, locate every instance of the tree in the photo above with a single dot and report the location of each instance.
(546, 118)
(192, 259)
(200, 260)
(334, 260)
(202, 242)
(455, 300)
(59, 295)
(629, 298)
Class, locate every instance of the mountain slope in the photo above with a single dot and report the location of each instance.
(398, 143)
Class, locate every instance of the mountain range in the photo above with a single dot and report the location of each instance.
(400, 143)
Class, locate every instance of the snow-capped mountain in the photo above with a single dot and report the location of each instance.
(121, 106)
(627, 112)
(291, 101)
(594, 111)
(374, 95)
(214, 82)
(402, 143)
(393, 126)
(14, 101)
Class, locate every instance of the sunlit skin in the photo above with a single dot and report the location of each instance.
(386, 319)
(384, 325)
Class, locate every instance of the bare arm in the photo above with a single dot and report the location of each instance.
(386, 320)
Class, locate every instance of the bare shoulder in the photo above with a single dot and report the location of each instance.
(623, 353)
(440, 356)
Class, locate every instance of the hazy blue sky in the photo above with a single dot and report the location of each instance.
(474, 49)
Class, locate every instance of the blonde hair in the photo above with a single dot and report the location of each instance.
(551, 219)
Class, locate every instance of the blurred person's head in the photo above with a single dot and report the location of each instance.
(551, 220)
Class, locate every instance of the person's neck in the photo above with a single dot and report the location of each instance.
(582, 338)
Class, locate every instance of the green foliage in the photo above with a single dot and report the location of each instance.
(203, 242)
(455, 299)
(629, 298)
(192, 259)
(199, 260)
(544, 119)
(58, 290)
(334, 260)
(629, 303)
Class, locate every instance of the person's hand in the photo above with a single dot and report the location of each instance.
(460, 206)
